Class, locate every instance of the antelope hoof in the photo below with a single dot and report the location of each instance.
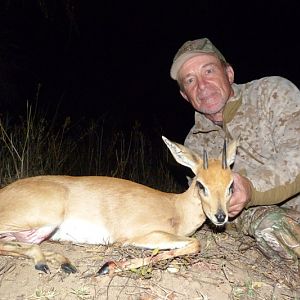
(107, 268)
(68, 268)
(43, 267)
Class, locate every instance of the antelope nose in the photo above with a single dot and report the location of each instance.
(220, 216)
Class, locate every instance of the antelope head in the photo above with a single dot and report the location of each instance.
(214, 179)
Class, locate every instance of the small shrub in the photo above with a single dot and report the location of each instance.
(33, 145)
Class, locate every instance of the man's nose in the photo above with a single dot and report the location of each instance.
(201, 83)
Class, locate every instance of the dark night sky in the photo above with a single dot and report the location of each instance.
(118, 55)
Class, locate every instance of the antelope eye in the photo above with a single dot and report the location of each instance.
(201, 188)
(230, 189)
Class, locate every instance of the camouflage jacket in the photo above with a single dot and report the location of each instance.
(265, 114)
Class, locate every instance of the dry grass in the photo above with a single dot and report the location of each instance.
(32, 145)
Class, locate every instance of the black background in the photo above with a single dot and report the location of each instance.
(94, 57)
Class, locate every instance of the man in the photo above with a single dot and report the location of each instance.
(265, 116)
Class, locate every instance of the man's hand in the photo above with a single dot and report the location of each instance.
(275, 229)
(241, 195)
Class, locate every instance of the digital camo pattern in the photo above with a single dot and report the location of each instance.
(265, 115)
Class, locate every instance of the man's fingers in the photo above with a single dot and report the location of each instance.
(234, 210)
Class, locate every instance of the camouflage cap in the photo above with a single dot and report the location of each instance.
(190, 49)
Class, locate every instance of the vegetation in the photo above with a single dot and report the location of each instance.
(32, 145)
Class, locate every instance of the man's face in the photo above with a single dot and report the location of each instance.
(206, 83)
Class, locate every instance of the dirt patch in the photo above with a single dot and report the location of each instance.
(228, 267)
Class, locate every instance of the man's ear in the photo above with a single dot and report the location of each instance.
(184, 96)
(230, 74)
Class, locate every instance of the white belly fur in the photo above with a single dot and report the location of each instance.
(81, 231)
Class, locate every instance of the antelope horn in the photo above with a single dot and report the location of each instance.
(205, 159)
(224, 155)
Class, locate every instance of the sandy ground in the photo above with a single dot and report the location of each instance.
(228, 267)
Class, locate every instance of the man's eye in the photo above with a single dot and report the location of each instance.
(189, 81)
(209, 71)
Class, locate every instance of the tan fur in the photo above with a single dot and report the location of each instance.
(105, 210)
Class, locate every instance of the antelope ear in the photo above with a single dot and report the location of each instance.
(230, 152)
(183, 155)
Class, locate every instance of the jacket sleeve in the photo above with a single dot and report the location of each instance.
(275, 195)
(281, 173)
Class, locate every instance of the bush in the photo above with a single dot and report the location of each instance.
(32, 145)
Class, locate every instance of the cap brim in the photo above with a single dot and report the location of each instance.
(182, 59)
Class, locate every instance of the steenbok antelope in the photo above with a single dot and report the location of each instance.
(106, 210)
